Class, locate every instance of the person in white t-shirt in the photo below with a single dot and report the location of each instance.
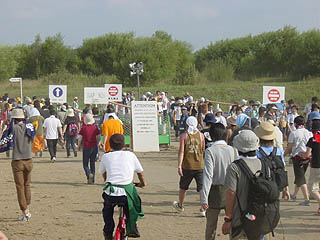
(118, 168)
(52, 127)
(296, 145)
(220, 118)
(291, 117)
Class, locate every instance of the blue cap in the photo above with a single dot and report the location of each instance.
(209, 118)
(315, 115)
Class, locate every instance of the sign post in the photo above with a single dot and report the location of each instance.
(114, 92)
(58, 93)
(95, 95)
(145, 126)
(273, 94)
(13, 80)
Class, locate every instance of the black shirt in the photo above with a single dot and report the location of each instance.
(315, 160)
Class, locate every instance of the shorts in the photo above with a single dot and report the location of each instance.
(188, 176)
(314, 180)
(299, 172)
(217, 197)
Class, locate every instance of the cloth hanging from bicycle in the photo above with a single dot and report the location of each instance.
(134, 204)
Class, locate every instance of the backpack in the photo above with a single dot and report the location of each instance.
(276, 166)
(73, 129)
(262, 213)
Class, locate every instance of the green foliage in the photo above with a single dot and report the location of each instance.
(8, 62)
(218, 71)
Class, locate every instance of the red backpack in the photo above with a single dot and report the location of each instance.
(73, 129)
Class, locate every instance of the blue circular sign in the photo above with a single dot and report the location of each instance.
(57, 92)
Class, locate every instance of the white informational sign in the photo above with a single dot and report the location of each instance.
(95, 95)
(145, 126)
(114, 92)
(58, 93)
(273, 94)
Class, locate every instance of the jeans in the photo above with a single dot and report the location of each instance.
(108, 209)
(89, 155)
(52, 146)
(71, 140)
(21, 170)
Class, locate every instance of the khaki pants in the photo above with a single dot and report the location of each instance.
(212, 221)
(21, 170)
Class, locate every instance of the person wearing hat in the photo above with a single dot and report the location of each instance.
(27, 108)
(52, 128)
(217, 158)
(176, 115)
(89, 135)
(243, 121)
(190, 161)
(297, 144)
(22, 160)
(70, 131)
(313, 150)
(267, 135)
(37, 120)
(237, 183)
(209, 120)
(183, 119)
(290, 119)
(220, 119)
(62, 114)
(231, 127)
(118, 168)
(255, 110)
(109, 127)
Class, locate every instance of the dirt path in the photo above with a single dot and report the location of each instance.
(65, 207)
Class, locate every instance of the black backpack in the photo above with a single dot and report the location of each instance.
(262, 213)
(274, 162)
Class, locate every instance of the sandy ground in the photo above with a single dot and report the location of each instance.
(65, 207)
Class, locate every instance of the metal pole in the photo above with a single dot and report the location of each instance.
(138, 86)
(21, 91)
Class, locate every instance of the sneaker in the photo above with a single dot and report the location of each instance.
(90, 178)
(202, 213)
(305, 203)
(26, 218)
(107, 237)
(53, 159)
(75, 154)
(293, 198)
(68, 156)
(176, 206)
(40, 154)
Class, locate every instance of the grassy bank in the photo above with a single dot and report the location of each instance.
(233, 91)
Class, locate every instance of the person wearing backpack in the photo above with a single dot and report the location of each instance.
(272, 156)
(252, 197)
(71, 130)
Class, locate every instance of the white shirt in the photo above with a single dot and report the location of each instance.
(299, 138)
(178, 113)
(221, 120)
(120, 167)
(307, 108)
(290, 120)
(51, 125)
(279, 138)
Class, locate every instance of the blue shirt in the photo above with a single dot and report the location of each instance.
(268, 150)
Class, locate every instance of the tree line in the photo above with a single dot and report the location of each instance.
(282, 53)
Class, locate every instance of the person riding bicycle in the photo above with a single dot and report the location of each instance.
(118, 168)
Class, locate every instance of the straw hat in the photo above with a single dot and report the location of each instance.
(88, 119)
(70, 113)
(63, 108)
(266, 131)
(17, 113)
(218, 110)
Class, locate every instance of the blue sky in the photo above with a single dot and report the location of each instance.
(196, 21)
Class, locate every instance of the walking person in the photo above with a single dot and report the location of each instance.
(51, 128)
(190, 161)
(70, 132)
(297, 144)
(22, 160)
(109, 127)
(38, 142)
(89, 134)
(217, 158)
(313, 147)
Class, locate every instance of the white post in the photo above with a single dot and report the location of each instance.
(21, 91)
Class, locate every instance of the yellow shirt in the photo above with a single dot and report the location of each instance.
(109, 128)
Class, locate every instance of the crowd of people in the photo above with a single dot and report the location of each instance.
(222, 150)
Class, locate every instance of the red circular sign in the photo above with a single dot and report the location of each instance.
(113, 91)
(274, 95)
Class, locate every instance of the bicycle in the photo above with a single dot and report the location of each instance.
(121, 230)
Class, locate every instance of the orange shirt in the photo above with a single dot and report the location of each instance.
(109, 128)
